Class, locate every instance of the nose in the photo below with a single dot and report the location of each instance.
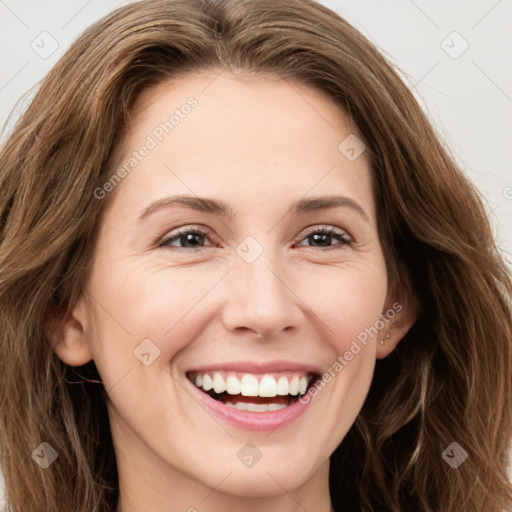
(260, 299)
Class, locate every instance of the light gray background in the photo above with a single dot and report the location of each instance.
(467, 94)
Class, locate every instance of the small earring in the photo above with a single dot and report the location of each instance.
(387, 337)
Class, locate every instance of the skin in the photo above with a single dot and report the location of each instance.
(258, 145)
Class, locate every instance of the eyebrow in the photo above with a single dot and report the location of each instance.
(220, 208)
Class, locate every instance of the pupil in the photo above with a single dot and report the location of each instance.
(318, 236)
(189, 238)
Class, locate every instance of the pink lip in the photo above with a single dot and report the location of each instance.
(263, 421)
(252, 367)
(271, 420)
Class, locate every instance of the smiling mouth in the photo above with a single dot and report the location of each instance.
(254, 392)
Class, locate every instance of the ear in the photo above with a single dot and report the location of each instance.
(405, 305)
(67, 334)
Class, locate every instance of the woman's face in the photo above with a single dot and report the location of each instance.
(258, 300)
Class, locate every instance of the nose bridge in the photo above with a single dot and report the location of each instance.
(259, 296)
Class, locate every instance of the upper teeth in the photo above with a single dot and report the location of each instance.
(249, 385)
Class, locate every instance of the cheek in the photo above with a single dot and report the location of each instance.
(350, 306)
(349, 300)
(136, 303)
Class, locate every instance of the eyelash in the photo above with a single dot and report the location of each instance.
(346, 241)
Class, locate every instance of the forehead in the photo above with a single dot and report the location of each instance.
(219, 134)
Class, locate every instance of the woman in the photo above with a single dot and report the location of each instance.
(240, 272)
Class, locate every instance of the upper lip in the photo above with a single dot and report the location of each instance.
(258, 367)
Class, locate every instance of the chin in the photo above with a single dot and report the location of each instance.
(266, 478)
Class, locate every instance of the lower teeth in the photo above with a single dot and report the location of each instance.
(254, 407)
(243, 406)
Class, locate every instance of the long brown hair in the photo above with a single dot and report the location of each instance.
(449, 380)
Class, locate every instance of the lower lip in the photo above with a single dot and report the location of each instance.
(248, 420)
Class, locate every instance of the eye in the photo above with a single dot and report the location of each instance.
(192, 238)
(324, 235)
